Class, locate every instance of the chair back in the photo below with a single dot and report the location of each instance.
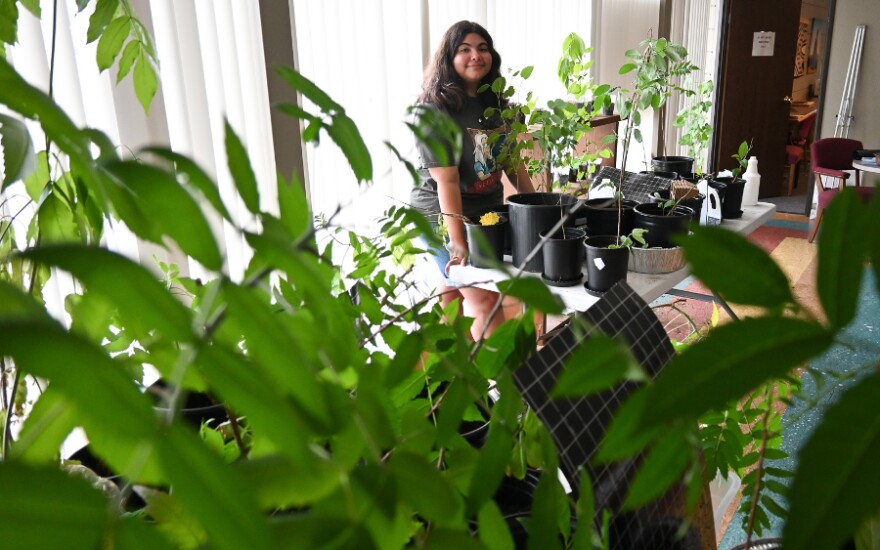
(804, 129)
(833, 153)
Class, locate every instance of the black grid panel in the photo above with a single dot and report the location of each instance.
(637, 187)
(578, 425)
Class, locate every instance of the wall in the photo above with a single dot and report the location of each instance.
(810, 10)
(866, 124)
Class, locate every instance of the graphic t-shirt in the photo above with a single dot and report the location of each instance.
(478, 169)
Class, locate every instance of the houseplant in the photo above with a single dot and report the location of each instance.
(694, 121)
(730, 188)
(328, 481)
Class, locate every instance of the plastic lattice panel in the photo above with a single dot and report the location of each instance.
(637, 187)
(578, 425)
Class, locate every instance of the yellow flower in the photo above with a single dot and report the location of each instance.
(489, 218)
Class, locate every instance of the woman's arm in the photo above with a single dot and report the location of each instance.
(521, 180)
(449, 196)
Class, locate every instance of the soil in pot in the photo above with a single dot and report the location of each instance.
(681, 165)
(564, 257)
(731, 199)
(486, 242)
(530, 215)
(605, 266)
(662, 224)
(601, 215)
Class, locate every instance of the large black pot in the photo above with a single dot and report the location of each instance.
(663, 224)
(530, 215)
(731, 197)
(694, 203)
(601, 215)
(605, 266)
(681, 165)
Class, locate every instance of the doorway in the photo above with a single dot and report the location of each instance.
(772, 63)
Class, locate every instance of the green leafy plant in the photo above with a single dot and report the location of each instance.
(349, 395)
(656, 66)
(636, 236)
(559, 130)
(694, 121)
(742, 158)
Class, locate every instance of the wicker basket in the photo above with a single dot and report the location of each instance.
(656, 260)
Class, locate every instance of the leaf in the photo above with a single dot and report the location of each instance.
(8, 24)
(215, 493)
(841, 257)
(172, 210)
(145, 81)
(47, 508)
(839, 462)
(596, 366)
(308, 88)
(345, 134)
(736, 269)
(425, 489)
(18, 150)
(37, 181)
(103, 14)
(111, 41)
(732, 360)
(527, 71)
(492, 529)
(533, 292)
(585, 509)
(294, 206)
(48, 424)
(279, 482)
(626, 67)
(109, 402)
(663, 466)
(144, 304)
(129, 55)
(489, 469)
(57, 223)
(192, 174)
(240, 168)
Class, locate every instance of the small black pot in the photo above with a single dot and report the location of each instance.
(731, 198)
(605, 266)
(564, 257)
(530, 215)
(486, 243)
(601, 215)
(662, 224)
(681, 165)
(694, 203)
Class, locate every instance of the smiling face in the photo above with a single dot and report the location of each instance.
(472, 61)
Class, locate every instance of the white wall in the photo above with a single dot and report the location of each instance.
(866, 124)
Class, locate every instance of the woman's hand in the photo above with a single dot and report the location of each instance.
(458, 255)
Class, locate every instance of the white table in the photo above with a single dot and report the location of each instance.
(649, 287)
(866, 167)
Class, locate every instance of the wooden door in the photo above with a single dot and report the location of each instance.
(754, 95)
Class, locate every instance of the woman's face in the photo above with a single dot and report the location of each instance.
(472, 61)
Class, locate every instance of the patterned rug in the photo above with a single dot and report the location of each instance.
(784, 237)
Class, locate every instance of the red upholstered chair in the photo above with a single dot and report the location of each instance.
(794, 151)
(829, 158)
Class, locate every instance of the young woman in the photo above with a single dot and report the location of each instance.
(471, 184)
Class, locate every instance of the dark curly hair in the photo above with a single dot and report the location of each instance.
(441, 85)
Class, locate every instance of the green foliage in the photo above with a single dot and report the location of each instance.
(345, 395)
(560, 127)
(511, 119)
(694, 121)
(741, 157)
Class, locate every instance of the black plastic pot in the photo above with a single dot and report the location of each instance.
(731, 198)
(486, 242)
(663, 224)
(681, 165)
(530, 215)
(694, 203)
(605, 266)
(564, 257)
(601, 215)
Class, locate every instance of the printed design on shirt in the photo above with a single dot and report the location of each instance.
(486, 169)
